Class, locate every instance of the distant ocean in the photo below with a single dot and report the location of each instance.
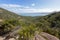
(33, 14)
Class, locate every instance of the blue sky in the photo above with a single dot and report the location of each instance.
(30, 6)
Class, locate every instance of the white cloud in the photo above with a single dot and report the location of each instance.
(33, 4)
(10, 5)
(32, 10)
(26, 9)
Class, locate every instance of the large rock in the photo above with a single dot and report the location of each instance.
(48, 36)
(11, 39)
(1, 38)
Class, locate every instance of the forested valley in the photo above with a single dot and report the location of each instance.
(29, 25)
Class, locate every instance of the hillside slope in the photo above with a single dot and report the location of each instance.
(5, 14)
(49, 23)
(9, 19)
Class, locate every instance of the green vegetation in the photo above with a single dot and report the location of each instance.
(29, 25)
